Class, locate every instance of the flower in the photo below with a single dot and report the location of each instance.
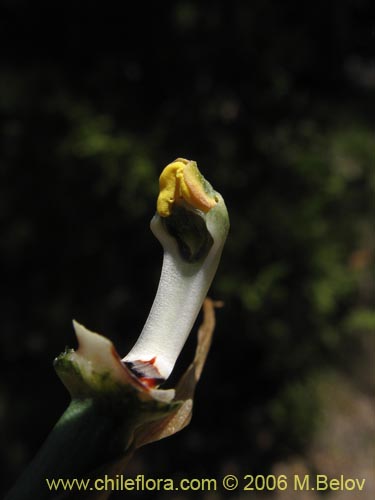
(192, 224)
(117, 404)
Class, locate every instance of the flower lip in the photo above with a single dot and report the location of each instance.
(181, 182)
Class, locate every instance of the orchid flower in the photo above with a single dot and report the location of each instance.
(191, 223)
(117, 404)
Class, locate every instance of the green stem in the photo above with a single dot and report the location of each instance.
(81, 441)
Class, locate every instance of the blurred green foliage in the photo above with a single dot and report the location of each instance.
(275, 101)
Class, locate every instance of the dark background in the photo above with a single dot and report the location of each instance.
(275, 101)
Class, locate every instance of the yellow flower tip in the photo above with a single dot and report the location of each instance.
(182, 181)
